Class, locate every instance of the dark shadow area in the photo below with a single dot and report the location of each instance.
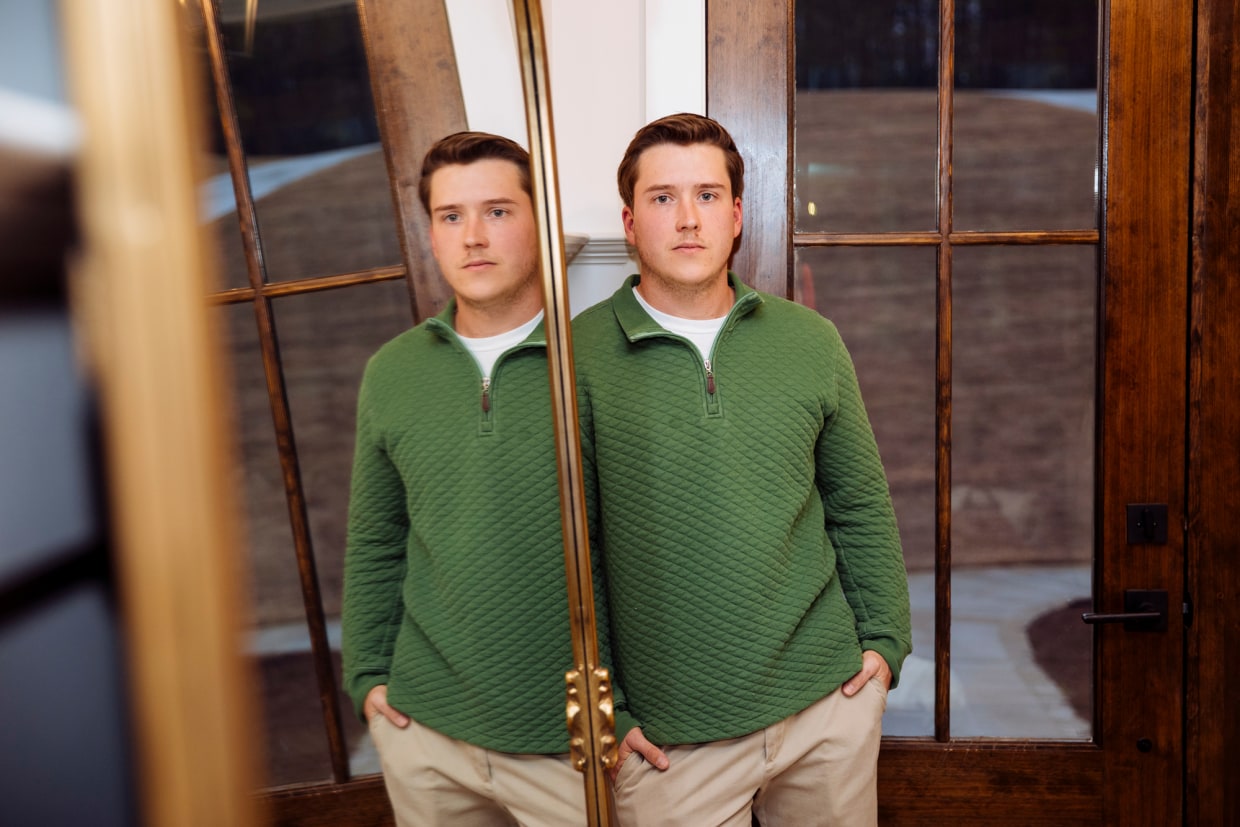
(294, 735)
(1062, 645)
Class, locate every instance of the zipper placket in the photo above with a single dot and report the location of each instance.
(713, 406)
(487, 401)
(712, 398)
(712, 388)
(487, 423)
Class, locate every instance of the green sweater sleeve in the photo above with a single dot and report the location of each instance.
(624, 721)
(860, 521)
(375, 558)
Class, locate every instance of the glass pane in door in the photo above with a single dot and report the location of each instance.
(1025, 125)
(294, 740)
(866, 115)
(326, 339)
(882, 299)
(1024, 336)
(307, 122)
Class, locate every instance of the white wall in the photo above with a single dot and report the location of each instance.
(595, 52)
(484, 40)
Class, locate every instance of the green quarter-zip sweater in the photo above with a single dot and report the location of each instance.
(749, 544)
(454, 592)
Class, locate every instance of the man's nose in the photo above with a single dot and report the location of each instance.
(475, 231)
(687, 216)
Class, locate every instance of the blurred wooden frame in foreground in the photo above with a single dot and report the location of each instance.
(139, 288)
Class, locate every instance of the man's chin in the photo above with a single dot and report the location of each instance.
(693, 281)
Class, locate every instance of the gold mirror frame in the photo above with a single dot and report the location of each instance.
(589, 708)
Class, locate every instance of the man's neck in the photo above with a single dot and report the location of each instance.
(479, 322)
(707, 301)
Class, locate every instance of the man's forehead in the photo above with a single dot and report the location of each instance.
(706, 153)
(487, 181)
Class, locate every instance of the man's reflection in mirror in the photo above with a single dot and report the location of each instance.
(455, 629)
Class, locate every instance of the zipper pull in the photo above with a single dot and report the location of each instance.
(486, 394)
(710, 379)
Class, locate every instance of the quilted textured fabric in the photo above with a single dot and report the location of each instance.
(454, 590)
(749, 544)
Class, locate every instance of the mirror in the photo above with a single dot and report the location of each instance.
(324, 110)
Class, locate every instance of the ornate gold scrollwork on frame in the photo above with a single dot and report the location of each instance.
(605, 720)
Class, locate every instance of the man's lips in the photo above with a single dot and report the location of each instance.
(477, 264)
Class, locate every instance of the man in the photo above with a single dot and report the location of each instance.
(455, 627)
(758, 598)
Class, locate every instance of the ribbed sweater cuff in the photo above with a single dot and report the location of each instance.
(624, 723)
(892, 651)
(359, 688)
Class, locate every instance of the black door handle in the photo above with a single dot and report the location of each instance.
(1144, 610)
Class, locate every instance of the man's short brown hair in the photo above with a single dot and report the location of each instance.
(683, 129)
(467, 148)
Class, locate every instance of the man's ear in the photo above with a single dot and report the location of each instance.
(626, 217)
(738, 216)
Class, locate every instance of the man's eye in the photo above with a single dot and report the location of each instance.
(708, 196)
(662, 199)
(451, 218)
(498, 212)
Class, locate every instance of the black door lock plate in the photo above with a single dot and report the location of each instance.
(1147, 524)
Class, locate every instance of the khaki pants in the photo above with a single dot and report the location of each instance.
(817, 767)
(432, 779)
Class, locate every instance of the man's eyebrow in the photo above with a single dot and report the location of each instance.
(490, 202)
(705, 185)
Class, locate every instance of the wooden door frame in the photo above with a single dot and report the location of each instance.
(1139, 676)
(1151, 114)
(1212, 727)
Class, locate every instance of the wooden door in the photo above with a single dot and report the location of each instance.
(1127, 766)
